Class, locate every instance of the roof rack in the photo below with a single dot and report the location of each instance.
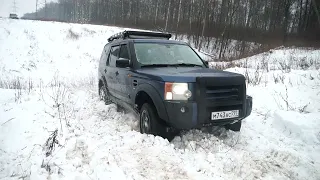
(139, 35)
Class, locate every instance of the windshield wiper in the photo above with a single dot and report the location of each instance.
(187, 64)
(155, 65)
(172, 65)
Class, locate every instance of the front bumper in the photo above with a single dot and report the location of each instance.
(187, 115)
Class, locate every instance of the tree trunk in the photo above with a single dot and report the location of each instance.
(285, 23)
(156, 16)
(316, 10)
(168, 14)
(178, 20)
(190, 16)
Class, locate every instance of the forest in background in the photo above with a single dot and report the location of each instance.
(210, 25)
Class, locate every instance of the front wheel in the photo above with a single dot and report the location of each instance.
(150, 123)
(104, 95)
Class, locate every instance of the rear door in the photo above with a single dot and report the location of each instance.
(111, 71)
(103, 61)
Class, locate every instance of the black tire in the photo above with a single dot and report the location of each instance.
(150, 123)
(104, 95)
(234, 127)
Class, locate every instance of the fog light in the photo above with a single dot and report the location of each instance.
(183, 110)
(188, 94)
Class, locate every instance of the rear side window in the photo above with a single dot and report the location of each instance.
(104, 55)
(124, 52)
(113, 56)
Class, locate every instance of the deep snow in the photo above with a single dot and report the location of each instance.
(278, 141)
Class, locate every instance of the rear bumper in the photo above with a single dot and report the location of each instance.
(187, 115)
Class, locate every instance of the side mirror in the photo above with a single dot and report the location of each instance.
(123, 63)
(207, 63)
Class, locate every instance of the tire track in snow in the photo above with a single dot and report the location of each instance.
(138, 156)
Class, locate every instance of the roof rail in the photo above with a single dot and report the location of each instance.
(139, 35)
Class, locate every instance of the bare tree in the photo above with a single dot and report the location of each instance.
(268, 22)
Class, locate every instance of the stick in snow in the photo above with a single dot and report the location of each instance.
(7, 121)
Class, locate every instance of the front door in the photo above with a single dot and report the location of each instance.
(124, 79)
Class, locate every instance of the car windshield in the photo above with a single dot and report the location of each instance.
(166, 54)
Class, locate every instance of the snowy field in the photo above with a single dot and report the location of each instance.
(52, 125)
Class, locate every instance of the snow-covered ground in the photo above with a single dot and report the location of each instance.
(281, 58)
(55, 66)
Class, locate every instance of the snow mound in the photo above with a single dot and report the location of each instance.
(293, 125)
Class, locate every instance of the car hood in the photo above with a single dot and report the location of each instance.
(182, 74)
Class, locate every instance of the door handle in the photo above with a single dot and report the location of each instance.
(117, 73)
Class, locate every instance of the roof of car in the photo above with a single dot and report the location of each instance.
(143, 36)
(158, 41)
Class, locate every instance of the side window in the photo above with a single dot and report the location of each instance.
(104, 55)
(113, 56)
(124, 52)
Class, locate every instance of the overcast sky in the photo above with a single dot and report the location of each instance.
(23, 6)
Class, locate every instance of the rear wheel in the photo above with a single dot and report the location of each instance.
(150, 123)
(104, 95)
(234, 127)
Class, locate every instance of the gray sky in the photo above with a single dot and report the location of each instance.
(23, 6)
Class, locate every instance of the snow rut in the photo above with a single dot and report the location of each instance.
(100, 142)
(118, 143)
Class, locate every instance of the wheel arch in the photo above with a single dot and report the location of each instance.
(147, 93)
(102, 82)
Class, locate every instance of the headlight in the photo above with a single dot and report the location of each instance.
(177, 91)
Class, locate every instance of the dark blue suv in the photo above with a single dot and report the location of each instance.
(169, 85)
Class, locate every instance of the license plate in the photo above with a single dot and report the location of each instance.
(224, 114)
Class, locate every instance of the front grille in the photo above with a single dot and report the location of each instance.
(219, 94)
(222, 93)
